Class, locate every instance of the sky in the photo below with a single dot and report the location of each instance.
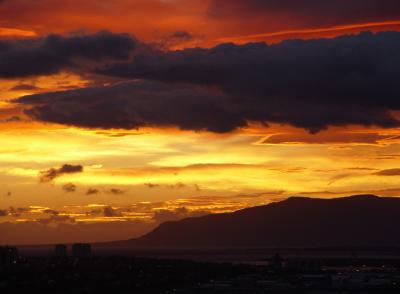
(116, 116)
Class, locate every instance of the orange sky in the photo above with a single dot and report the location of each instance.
(156, 20)
(134, 179)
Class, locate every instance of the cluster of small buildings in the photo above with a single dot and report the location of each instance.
(305, 276)
(72, 265)
(8, 255)
(323, 283)
(79, 250)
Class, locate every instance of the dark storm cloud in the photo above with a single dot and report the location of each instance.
(133, 105)
(52, 173)
(51, 54)
(308, 12)
(309, 84)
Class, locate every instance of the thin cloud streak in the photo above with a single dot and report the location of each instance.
(302, 33)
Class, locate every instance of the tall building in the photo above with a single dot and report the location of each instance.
(8, 255)
(81, 250)
(60, 250)
(277, 261)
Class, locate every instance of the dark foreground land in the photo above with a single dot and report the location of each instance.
(275, 274)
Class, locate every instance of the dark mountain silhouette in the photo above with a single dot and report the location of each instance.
(362, 220)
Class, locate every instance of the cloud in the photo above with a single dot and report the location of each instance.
(306, 13)
(164, 215)
(115, 191)
(182, 35)
(69, 188)
(53, 173)
(92, 191)
(134, 105)
(310, 84)
(83, 222)
(54, 219)
(24, 87)
(16, 212)
(336, 137)
(388, 172)
(51, 54)
(178, 185)
(51, 211)
(176, 38)
(11, 119)
(108, 211)
(151, 185)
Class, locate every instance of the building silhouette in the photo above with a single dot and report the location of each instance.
(277, 261)
(81, 250)
(8, 255)
(60, 250)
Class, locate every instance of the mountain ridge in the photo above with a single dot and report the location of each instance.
(298, 221)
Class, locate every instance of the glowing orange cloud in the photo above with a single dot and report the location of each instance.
(11, 32)
(314, 32)
(155, 20)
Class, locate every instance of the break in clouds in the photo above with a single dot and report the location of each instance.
(311, 84)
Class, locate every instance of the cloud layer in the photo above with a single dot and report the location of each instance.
(51, 54)
(136, 104)
(306, 13)
(309, 84)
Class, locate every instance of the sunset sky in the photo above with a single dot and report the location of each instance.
(117, 115)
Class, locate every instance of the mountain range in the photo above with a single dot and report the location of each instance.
(297, 222)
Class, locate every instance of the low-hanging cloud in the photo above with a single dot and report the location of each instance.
(308, 84)
(56, 219)
(115, 191)
(388, 172)
(109, 211)
(53, 173)
(69, 188)
(164, 215)
(136, 104)
(92, 191)
(51, 54)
